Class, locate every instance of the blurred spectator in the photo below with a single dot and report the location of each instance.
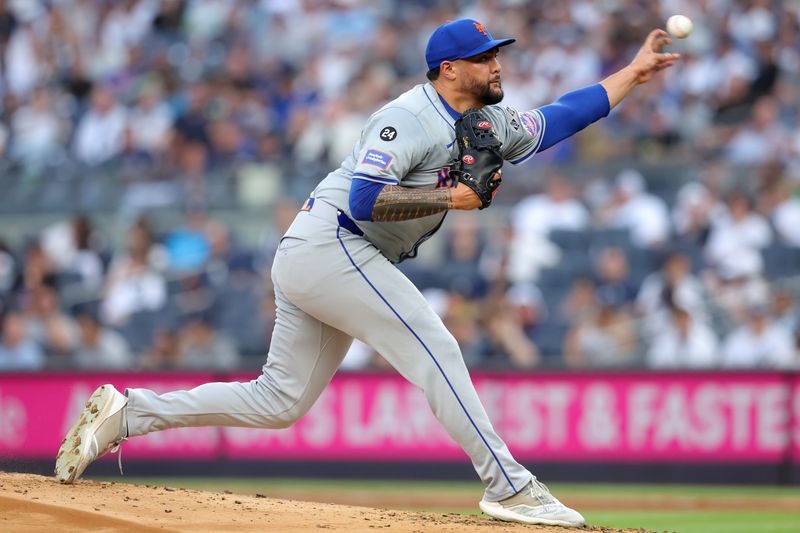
(557, 208)
(37, 269)
(167, 21)
(534, 218)
(612, 277)
(201, 347)
(87, 262)
(506, 319)
(762, 140)
(100, 348)
(17, 350)
(8, 270)
(134, 280)
(151, 121)
(693, 212)
(672, 286)
(759, 342)
(192, 124)
(71, 246)
(462, 254)
(164, 353)
(187, 246)
(37, 131)
(8, 22)
(634, 209)
(736, 288)
(344, 127)
(784, 213)
(785, 311)
(461, 317)
(754, 22)
(682, 342)
(24, 69)
(580, 303)
(51, 328)
(605, 339)
(100, 133)
(736, 236)
(229, 145)
(194, 294)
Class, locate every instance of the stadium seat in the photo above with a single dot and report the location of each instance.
(570, 239)
(780, 260)
(549, 337)
(604, 238)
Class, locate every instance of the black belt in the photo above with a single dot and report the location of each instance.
(323, 208)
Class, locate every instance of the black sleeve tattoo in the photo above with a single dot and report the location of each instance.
(403, 203)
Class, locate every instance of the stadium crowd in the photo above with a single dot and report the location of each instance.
(665, 236)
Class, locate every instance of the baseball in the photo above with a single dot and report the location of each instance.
(679, 26)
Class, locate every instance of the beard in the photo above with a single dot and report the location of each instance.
(488, 94)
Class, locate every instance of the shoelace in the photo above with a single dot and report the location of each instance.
(118, 450)
(542, 492)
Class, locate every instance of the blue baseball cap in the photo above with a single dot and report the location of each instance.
(459, 39)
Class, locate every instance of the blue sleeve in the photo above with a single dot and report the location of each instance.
(362, 197)
(572, 112)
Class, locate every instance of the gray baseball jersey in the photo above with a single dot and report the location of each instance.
(410, 141)
(335, 281)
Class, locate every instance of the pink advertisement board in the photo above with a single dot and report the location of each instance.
(625, 417)
(753, 418)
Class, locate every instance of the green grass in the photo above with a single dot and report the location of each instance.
(700, 521)
(681, 520)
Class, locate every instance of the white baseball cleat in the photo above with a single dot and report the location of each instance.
(101, 427)
(533, 505)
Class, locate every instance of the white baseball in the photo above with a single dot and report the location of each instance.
(679, 26)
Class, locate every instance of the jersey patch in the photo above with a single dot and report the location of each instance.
(530, 123)
(388, 134)
(444, 181)
(377, 158)
(513, 117)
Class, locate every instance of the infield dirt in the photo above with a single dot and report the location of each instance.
(31, 503)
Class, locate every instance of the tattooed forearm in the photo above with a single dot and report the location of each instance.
(402, 203)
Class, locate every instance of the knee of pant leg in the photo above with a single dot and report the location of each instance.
(281, 409)
(289, 416)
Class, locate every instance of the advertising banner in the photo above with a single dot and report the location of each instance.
(627, 417)
(709, 417)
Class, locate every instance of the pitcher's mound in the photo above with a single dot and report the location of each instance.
(31, 503)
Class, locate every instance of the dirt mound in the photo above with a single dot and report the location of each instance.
(31, 503)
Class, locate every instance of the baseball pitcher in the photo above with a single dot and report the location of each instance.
(440, 146)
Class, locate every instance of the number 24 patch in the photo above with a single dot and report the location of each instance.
(388, 134)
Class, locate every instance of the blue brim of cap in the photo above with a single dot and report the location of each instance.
(494, 43)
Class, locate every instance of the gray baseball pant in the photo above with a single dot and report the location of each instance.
(332, 285)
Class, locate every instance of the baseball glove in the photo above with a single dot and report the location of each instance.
(479, 156)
